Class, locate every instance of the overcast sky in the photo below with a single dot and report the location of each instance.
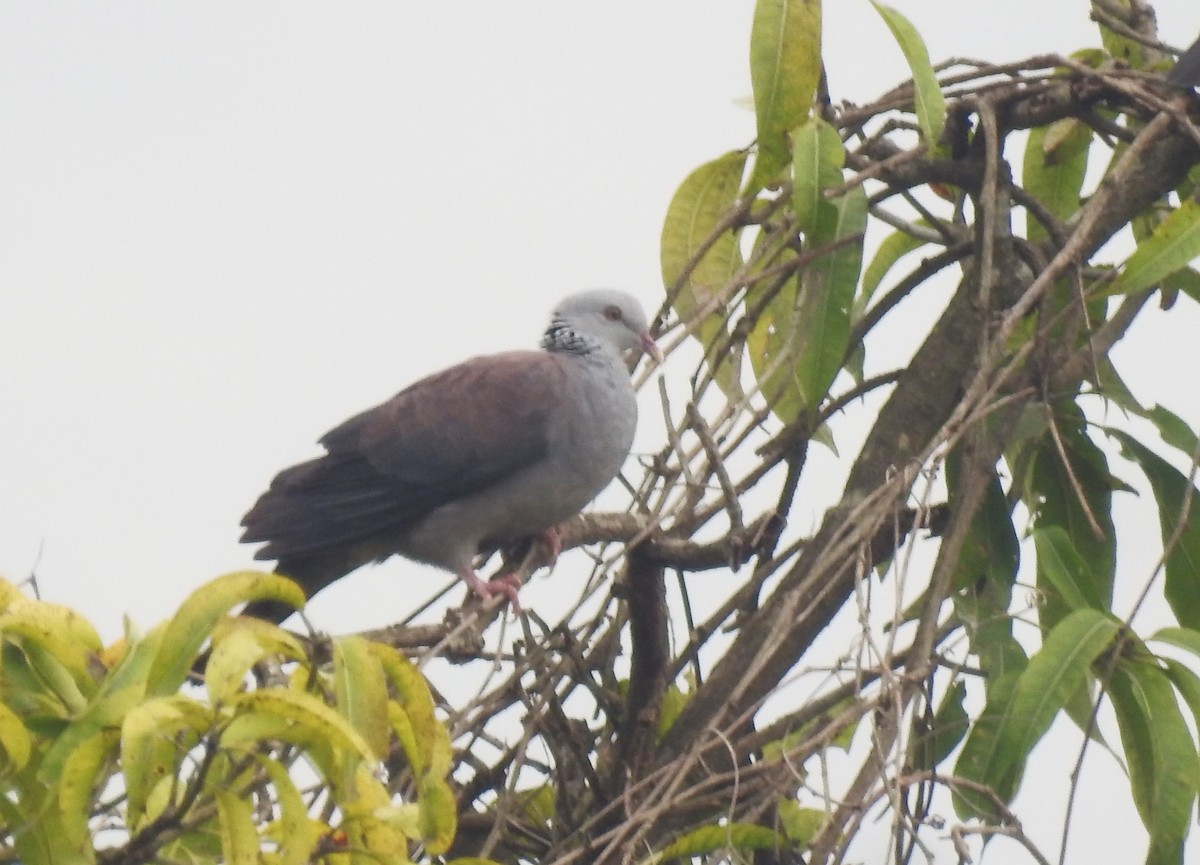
(224, 227)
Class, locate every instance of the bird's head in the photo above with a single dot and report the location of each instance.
(610, 316)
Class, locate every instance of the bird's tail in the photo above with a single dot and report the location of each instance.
(312, 572)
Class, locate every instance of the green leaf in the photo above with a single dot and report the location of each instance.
(1171, 490)
(817, 159)
(985, 574)
(193, 623)
(828, 287)
(1172, 246)
(1186, 281)
(929, 101)
(1062, 568)
(800, 824)
(714, 839)
(1187, 639)
(1016, 717)
(785, 69)
(1053, 493)
(894, 247)
(1173, 429)
(950, 724)
(1185, 682)
(1055, 165)
(1160, 753)
(362, 691)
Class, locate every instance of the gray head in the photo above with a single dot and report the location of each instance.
(613, 318)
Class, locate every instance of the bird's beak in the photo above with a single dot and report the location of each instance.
(650, 347)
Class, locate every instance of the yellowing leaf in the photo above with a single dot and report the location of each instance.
(155, 738)
(239, 839)
(362, 691)
(193, 623)
(303, 719)
(696, 211)
(14, 739)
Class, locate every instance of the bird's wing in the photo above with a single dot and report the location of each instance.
(447, 436)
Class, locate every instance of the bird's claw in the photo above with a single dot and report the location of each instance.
(505, 584)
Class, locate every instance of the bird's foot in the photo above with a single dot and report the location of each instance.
(553, 539)
(505, 584)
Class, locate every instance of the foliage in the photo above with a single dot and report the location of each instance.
(109, 758)
(964, 562)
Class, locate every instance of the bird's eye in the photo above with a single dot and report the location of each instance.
(612, 313)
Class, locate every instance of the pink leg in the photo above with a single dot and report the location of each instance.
(552, 538)
(506, 585)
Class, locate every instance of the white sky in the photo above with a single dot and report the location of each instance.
(224, 227)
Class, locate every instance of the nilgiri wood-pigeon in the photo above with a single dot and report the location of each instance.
(494, 450)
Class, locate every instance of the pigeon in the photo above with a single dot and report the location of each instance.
(1186, 71)
(495, 450)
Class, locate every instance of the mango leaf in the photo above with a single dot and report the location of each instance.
(1056, 159)
(934, 744)
(362, 691)
(817, 160)
(1017, 716)
(296, 834)
(785, 69)
(14, 739)
(1185, 682)
(438, 814)
(372, 822)
(123, 689)
(1171, 490)
(1160, 753)
(714, 839)
(800, 824)
(1172, 246)
(696, 210)
(239, 838)
(929, 101)
(1052, 493)
(1061, 568)
(193, 623)
(62, 645)
(1173, 429)
(1186, 281)
(828, 287)
(985, 573)
(238, 644)
(155, 738)
(1187, 639)
(77, 785)
(304, 720)
(429, 751)
(894, 247)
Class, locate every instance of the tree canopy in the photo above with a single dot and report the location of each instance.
(954, 600)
